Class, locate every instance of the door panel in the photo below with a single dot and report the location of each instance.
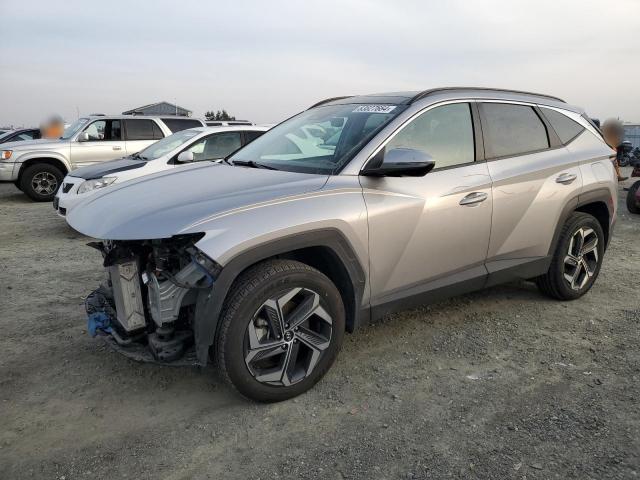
(528, 200)
(419, 231)
(105, 143)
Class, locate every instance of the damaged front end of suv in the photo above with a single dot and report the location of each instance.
(148, 307)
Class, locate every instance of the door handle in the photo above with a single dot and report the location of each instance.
(117, 147)
(474, 198)
(566, 178)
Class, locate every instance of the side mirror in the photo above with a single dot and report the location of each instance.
(185, 157)
(83, 137)
(399, 162)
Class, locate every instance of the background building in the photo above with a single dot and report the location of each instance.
(632, 133)
(160, 108)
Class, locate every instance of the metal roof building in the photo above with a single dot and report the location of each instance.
(159, 108)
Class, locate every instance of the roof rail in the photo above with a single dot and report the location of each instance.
(432, 91)
(327, 100)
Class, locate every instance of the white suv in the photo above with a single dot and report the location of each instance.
(38, 167)
(177, 150)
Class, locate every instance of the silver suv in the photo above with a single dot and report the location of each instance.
(38, 167)
(351, 210)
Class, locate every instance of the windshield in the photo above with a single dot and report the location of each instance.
(321, 140)
(167, 144)
(5, 134)
(72, 129)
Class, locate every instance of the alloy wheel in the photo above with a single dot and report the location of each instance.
(287, 337)
(44, 183)
(581, 261)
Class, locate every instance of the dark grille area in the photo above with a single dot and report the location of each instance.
(66, 187)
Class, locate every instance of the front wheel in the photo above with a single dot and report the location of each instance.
(633, 199)
(41, 181)
(577, 259)
(280, 330)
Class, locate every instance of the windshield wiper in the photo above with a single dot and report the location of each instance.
(253, 164)
(138, 156)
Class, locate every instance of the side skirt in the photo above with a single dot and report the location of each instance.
(493, 273)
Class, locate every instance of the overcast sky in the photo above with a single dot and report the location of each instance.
(266, 60)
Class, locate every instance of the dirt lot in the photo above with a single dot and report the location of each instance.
(497, 384)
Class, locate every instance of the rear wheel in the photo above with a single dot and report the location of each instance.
(280, 331)
(41, 181)
(577, 259)
(633, 203)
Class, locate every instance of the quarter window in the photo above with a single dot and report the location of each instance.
(512, 130)
(143, 130)
(445, 133)
(566, 128)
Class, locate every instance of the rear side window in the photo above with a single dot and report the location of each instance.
(178, 124)
(143, 130)
(566, 128)
(512, 130)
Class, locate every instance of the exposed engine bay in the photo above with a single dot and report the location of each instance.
(147, 304)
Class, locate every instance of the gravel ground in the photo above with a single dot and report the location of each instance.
(497, 384)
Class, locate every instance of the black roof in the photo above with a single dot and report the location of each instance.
(407, 98)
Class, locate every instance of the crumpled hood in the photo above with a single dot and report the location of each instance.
(171, 202)
(103, 169)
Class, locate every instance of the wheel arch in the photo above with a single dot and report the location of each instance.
(56, 162)
(598, 203)
(326, 250)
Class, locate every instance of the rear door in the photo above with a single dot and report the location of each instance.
(140, 133)
(534, 178)
(430, 233)
(104, 143)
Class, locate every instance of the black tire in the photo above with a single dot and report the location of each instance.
(553, 283)
(32, 172)
(633, 205)
(250, 291)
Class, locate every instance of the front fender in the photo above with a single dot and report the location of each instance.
(334, 218)
(44, 154)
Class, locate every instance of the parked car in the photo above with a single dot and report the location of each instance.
(38, 167)
(264, 261)
(177, 150)
(19, 135)
(227, 123)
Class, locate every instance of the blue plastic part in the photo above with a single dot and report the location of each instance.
(98, 321)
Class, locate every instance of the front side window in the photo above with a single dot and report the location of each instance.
(320, 140)
(566, 128)
(511, 130)
(104, 131)
(445, 133)
(143, 130)
(166, 145)
(216, 146)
